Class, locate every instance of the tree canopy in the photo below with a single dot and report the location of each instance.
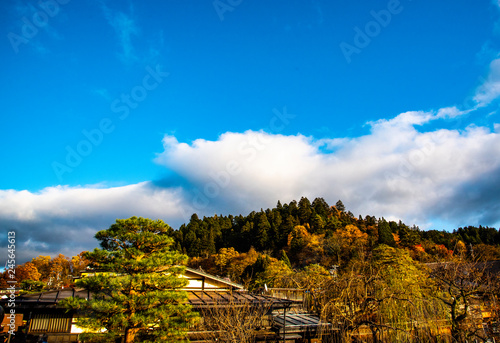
(138, 291)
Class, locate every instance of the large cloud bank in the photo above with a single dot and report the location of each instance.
(444, 177)
(395, 171)
(65, 219)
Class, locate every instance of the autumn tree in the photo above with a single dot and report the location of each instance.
(42, 264)
(27, 271)
(485, 252)
(311, 277)
(4, 277)
(28, 277)
(78, 263)
(346, 243)
(304, 247)
(233, 321)
(60, 271)
(223, 258)
(384, 293)
(277, 274)
(460, 285)
(285, 259)
(408, 310)
(140, 294)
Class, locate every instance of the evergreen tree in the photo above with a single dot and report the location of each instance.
(140, 293)
(279, 207)
(274, 218)
(261, 232)
(292, 208)
(317, 224)
(321, 207)
(305, 210)
(385, 234)
(286, 228)
(285, 259)
(340, 206)
(246, 238)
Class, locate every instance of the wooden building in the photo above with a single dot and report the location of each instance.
(275, 319)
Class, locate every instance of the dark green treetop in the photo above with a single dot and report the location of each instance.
(138, 292)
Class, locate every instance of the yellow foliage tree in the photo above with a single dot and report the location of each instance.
(60, 271)
(460, 248)
(236, 265)
(305, 247)
(79, 263)
(42, 264)
(224, 256)
(352, 235)
(277, 274)
(27, 271)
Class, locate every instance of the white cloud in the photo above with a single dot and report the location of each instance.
(395, 171)
(490, 89)
(64, 219)
(126, 29)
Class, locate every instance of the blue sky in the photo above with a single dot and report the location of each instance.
(164, 108)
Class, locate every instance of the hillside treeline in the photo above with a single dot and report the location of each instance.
(328, 235)
(301, 233)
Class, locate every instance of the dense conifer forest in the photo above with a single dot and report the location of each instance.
(306, 233)
(299, 233)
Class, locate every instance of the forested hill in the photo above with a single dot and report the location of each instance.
(300, 237)
(329, 235)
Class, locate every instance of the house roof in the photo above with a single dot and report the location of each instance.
(214, 291)
(198, 299)
(201, 275)
(225, 298)
(48, 299)
(194, 274)
(298, 322)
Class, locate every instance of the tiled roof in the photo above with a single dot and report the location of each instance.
(198, 298)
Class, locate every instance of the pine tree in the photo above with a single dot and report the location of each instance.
(339, 205)
(138, 294)
(385, 234)
(285, 259)
(321, 207)
(305, 210)
(262, 232)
